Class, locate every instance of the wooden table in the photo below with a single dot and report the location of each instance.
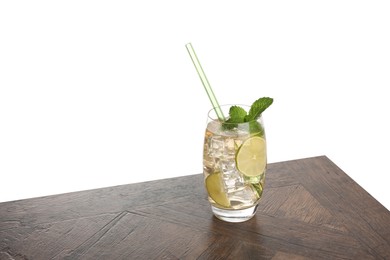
(310, 210)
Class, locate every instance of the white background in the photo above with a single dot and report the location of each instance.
(102, 93)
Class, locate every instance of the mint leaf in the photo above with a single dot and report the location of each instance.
(258, 107)
(255, 127)
(236, 115)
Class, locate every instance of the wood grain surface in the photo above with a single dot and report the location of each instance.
(310, 210)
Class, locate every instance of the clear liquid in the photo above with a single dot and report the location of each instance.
(220, 148)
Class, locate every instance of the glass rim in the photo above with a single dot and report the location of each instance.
(212, 115)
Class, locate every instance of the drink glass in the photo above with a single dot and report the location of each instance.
(234, 166)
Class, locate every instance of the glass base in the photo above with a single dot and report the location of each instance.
(235, 215)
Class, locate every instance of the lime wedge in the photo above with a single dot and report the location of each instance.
(251, 157)
(215, 190)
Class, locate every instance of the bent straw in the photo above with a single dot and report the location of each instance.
(205, 82)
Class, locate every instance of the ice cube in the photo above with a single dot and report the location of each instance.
(245, 196)
(231, 177)
(229, 150)
(216, 146)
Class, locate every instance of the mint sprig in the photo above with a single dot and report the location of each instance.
(258, 107)
(238, 115)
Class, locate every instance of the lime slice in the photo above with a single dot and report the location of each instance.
(251, 157)
(215, 190)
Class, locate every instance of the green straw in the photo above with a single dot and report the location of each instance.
(205, 82)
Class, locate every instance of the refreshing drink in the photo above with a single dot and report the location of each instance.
(234, 154)
(234, 165)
